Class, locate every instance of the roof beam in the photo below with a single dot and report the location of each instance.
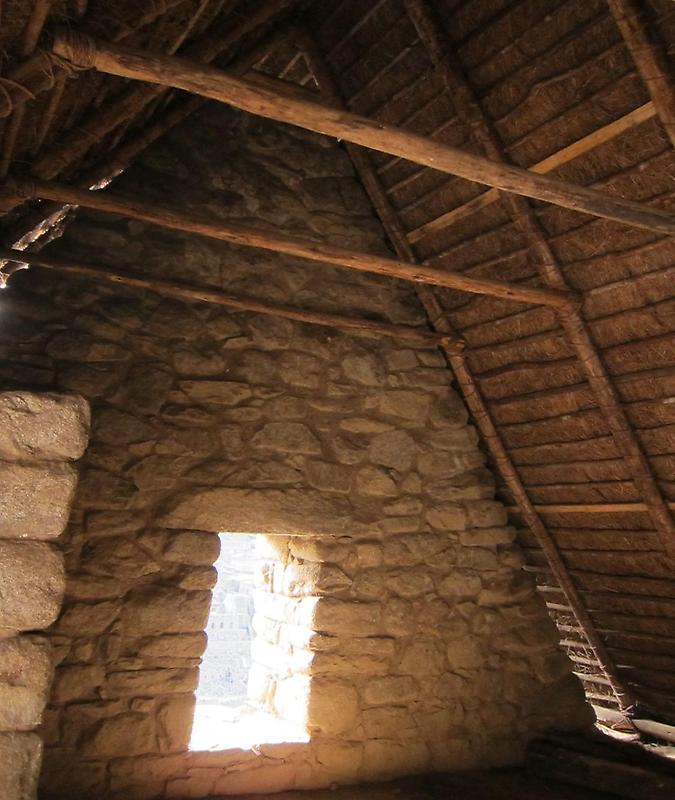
(75, 144)
(469, 388)
(217, 85)
(542, 256)
(184, 291)
(548, 164)
(650, 59)
(277, 241)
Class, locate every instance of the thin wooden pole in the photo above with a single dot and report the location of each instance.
(542, 256)
(218, 85)
(277, 241)
(36, 23)
(467, 383)
(186, 291)
(650, 59)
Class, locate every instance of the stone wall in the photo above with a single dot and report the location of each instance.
(40, 434)
(396, 618)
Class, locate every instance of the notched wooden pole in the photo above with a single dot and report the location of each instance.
(224, 87)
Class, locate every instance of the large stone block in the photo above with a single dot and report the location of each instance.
(291, 511)
(333, 706)
(25, 676)
(32, 582)
(20, 755)
(35, 499)
(163, 609)
(390, 690)
(42, 426)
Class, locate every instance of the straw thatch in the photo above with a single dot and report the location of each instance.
(577, 410)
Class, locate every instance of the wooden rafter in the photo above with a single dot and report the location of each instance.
(600, 136)
(85, 52)
(74, 145)
(467, 383)
(573, 324)
(190, 292)
(31, 35)
(650, 60)
(122, 156)
(277, 241)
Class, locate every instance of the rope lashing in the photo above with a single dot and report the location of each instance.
(7, 89)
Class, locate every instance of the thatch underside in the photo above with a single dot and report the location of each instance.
(558, 86)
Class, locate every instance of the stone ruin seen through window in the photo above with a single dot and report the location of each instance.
(225, 718)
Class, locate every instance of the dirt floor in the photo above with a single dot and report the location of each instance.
(498, 785)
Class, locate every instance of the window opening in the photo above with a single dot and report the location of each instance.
(225, 718)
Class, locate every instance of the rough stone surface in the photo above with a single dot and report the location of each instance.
(32, 583)
(392, 617)
(50, 427)
(25, 678)
(35, 499)
(19, 765)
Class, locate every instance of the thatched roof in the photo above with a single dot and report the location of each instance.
(576, 408)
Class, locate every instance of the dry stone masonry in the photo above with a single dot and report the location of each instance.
(40, 435)
(393, 616)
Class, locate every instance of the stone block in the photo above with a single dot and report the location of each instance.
(274, 511)
(189, 645)
(333, 706)
(390, 690)
(163, 609)
(25, 677)
(424, 657)
(447, 517)
(375, 481)
(35, 499)
(396, 449)
(20, 755)
(50, 427)
(486, 514)
(32, 582)
(128, 733)
(77, 682)
(465, 654)
(144, 682)
(359, 619)
(460, 586)
(222, 393)
(116, 557)
(88, 619)
(388, 722)
(313, 578)
(287, 437)
(192, 547)
(410, 582)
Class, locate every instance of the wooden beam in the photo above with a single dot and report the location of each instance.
(73, 145)
(189, 292)
(468, 386)
(223, 87)
(542, 256)
(277, 241)
(31, 34)
(555, 160)
(650, 59)
(122, 156)
(591, 508)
